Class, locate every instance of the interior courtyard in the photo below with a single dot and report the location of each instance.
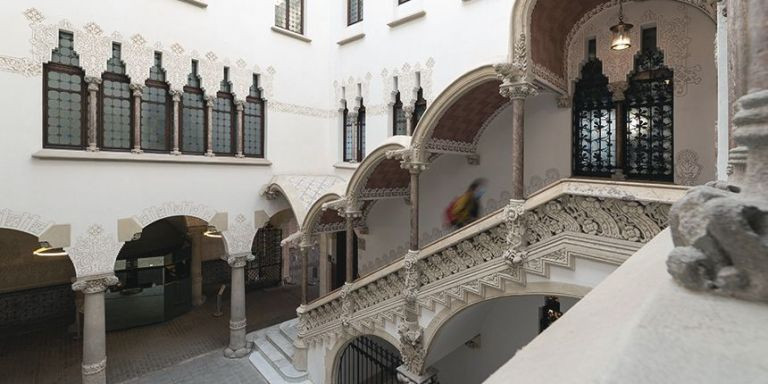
(384, 191)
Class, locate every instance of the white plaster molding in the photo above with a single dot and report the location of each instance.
(239, 236)
(23, 222)
(350, 39)
(291, 34)
(169, 209)
(404, 19)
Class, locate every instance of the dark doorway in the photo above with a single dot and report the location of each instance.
(265, 269)
(340, 267)
(368, 359)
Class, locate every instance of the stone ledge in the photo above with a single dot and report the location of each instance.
(344, 165)
(197, 3)
(350, 39)
(63, 154)
(407, 18)
(291, 34)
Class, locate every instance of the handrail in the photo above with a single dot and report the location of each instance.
(643, 192)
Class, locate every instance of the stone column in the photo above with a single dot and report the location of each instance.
(238, 346)
(304, 249)
(209, 101)
(517, 93)
(93, 112)
(137, 92)
(350, 256)
(408, 113)
(196, 266)
(176, 95)
(239, 107)
(94, 335)
(617, 89)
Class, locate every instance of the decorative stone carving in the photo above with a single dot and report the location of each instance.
(516, 253)
(239, 236)
(518, 90)
(168, 209)
(98, 284)
(95, 252)
(23, 222)
(687, 167)
(411, 346)
(347, 305)
(95, 368)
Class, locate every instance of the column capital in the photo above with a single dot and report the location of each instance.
(617, 88)
(176, 95)
(412, 159)
(405, 376)
(209, 101)
(408, 110)
(93, 82)
(137, 90)
(239, 260)
(518, 91)
(94, 284)
(239, 105)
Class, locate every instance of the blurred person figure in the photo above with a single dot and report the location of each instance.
(466, 208)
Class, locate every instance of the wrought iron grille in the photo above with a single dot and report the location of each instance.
(366, 361)
(594, 123)
(649, 98)
(265, 269)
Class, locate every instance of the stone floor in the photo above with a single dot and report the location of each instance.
(157, 352)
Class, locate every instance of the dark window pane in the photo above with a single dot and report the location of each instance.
(154, 119)
(193, 127)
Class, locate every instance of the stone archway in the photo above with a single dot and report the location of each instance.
(334, 354)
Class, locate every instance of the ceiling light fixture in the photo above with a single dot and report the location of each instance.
(213, 233)
(47, 251)
(620, 31)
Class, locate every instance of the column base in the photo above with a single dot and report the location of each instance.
(239, 353)
(176, 152)
(200, 301)
(137, 151)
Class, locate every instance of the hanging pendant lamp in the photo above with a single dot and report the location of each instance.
(620, 31)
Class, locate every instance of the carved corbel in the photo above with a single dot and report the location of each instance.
(516, 253)
(347, 305)
(518, 91)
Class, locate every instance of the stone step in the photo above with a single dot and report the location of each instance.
(283, 343)
(269, 372)
(279, 362)
(289, 329)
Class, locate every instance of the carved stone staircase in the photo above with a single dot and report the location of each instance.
(272, 355)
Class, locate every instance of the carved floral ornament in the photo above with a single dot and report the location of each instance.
(488, 259)
(94, 46)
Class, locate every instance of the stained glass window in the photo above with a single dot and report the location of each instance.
(419, 108)
(289, 14)
(361, 131)
(223, 133)
(349, 131)
(594, 121)
(115, 105)
(64, 97)
(354, 11)
(253, 124)
(649, 115)
(193, 135)
(155, 119)
(400, 124)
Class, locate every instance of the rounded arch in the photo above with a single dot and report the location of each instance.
(302, 191)
(170, 209)
(549, 288)
(538, 47)
(316, 216)
(477, 91)
(377, 174)
(333, 355)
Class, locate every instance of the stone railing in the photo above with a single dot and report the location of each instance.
(600, 220)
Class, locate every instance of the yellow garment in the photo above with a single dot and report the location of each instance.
(461, 208)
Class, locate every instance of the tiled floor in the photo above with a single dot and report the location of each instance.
(53, 357)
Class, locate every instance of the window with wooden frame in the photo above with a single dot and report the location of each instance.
(116, 127)
(253, 122)
(360, 131)
(289, 14)
(349, 132)
(419, 108)
(400, 123)
(354, 11)
(156, 109)
(223, 130)
(64, 97)
(193, 130)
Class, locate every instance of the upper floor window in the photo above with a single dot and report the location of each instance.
(400, 123)
(253, 122)
(116, 126)
(361, 131)
(649, 114)
(289, 14)
(223, 132)
(594, 120)
(354, 11)
(419, 108)
(354, 133)
(155, 110)
(193, 133)
(64, 119)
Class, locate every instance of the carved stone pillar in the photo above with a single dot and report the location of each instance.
(517, 93)
(304, 249)
(239, 107)
(93, 112)
(299, 357)
(719, 231)
(137, 91)
(408, 113)
(176, 95)
(196, 266)
(209, 102)
(617, 89)
(238, 345)
(94, 335)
